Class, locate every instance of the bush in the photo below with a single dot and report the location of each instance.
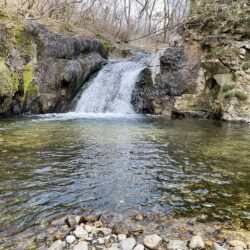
(227, 87)
(241, 96)
(228, 95)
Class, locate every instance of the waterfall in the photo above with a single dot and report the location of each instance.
(111, 90)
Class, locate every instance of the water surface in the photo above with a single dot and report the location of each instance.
(57, 166)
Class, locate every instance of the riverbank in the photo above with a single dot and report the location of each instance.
(142, 231)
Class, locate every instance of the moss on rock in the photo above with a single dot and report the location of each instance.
(8, 86)
(28, 73)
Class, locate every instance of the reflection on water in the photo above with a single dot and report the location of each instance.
(51, 167)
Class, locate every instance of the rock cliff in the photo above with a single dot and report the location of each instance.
(42, 70)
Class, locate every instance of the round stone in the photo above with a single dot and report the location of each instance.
(127, 244)
(197, 242)
(80, 232)
(100, 241)
(70, 239)
(152, 241)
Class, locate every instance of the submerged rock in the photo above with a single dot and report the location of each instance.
(120, 228)
(72, 220)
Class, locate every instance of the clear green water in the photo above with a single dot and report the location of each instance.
(53, 167)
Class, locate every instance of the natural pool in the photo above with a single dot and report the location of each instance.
(54, 166)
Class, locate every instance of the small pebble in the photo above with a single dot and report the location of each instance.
(106, 231)
(139, 217)
(120, 228)
(72, 220)
(192, 221)
(100, 241)
(70, 239)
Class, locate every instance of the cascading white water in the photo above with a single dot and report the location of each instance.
(111, 90)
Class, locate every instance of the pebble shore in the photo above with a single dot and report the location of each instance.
(105, 232)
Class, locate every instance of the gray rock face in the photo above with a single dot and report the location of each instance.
(143, 93)
(127, 244)
(175, 77)
(64, 66)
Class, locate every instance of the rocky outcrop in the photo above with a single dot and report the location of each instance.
(40, 70)
(207, 73)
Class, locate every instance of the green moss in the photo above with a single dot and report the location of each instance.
(32, 89)
(241, 96)
(28, 73)
(8, 86)
(227, 87)
(105, 41)
(228, 95)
